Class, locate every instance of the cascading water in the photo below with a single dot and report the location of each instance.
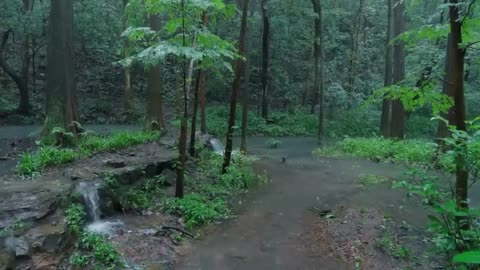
(89, 191)
(217, 146)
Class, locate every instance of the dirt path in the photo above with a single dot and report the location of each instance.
(275, 230)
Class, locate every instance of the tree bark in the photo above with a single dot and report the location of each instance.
(155, 119)
(128, 96)
(357, 20)
(386, 106)
(398, 111)
(203, 92)
(246, 87)
(60, 95)
(318, 69)
(457, 70)
(447, 89)
(265, 57)
(236, 88)
(193, 129)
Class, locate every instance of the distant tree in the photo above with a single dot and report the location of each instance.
(398, 110)
(386, 105)
(239, 69)
(265, 57)
(318, 69)
(61, 101)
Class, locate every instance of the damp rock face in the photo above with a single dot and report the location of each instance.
(30, 201)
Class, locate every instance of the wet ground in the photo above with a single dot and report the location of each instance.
(275, 229)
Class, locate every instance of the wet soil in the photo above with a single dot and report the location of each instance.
(277, 229)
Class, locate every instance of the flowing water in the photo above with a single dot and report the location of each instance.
(217, 146)
(89, 191)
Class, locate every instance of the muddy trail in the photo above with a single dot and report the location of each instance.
(277, 229)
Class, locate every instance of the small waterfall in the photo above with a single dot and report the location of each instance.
(217, 146)
(89, 191)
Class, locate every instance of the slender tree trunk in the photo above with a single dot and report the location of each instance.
(265, 57)
(246, 87)
(128, 96)
(398, 111)
(193, 129)
(203, 91)
(457, 70)
(155, 119)
(236, 88)
(318, 67)
(182, 142)
(60, 95)
(357, 20)
(448, 90)
(386, 111)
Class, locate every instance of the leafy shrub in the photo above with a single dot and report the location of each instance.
(92, 249)
(95, 144)
(33, 163)
(272, 143)
(197, 209)
(75, 217)
(377, 148)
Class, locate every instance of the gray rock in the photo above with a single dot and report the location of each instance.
(115, 163)
(22, 247)
(30, 201)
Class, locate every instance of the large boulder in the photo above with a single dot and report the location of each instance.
(30, 200)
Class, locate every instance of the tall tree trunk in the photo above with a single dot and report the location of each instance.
(193, 129)
(155, 119)
(182, 141)
(128, 96)
(386, 111)
(457, 70)
(398, 111)
(265, 57)
(246, 86)
(448, 90)
(236, 87)
(60, 94)
(354, 36)
(318, 67)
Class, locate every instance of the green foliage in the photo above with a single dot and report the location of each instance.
(95, 250)
(380, 149)
(17, 226)
(145, 196)
(389, 243)
(371, 179)
(470, 257)
(273, 143)
(32, 164)
(75, 218)
(197, 209)
(92, 249)
(120, 140)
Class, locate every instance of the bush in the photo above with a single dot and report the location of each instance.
(197, 209)
(380, 149)
(33, 163)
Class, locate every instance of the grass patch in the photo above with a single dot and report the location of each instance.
(93, 251)
(391, 245)
(32, 164)
(210, 191)
(371, 179)
(420, 152)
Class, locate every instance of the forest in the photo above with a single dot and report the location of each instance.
(246, 134)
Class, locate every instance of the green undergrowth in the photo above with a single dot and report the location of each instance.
(300, 122)
(421, 152)
(32, 163)
(92, 251)
(210, 192)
